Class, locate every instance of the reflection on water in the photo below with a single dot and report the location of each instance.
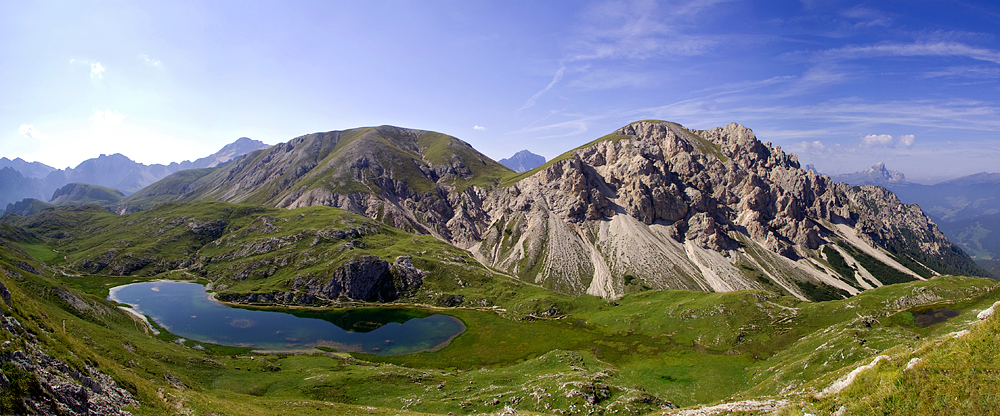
(186, 310)
(927, 319)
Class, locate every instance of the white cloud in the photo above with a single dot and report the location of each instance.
(478, 127)
(147, 59)
(885, 140)
(96, 70)
(907, 140)
(877, 140)
(107, 118)
(815, 148)
(29, 131)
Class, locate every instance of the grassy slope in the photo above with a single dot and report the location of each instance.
(324, 160)
(978, 236)
(91, 194)
(685, 347)
(257, 249)
(166, 189)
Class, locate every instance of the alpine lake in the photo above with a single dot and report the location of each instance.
(188, 310)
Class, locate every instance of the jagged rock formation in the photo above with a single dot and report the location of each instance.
(672, 207)
(651, 206)
(875, 175)
(523, 161)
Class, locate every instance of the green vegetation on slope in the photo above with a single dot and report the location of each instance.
(524, 347)
(949, 372)
(979, 236)
(167, 189)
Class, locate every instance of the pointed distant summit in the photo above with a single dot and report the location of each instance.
(523, 161)
(875, 175)
(240, 147)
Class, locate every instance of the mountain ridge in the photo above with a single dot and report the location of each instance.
(716, 208)
(115, 171)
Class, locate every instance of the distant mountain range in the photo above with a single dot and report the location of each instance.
(20, 179)
(523, 161)
(28, 169)
(967, 209)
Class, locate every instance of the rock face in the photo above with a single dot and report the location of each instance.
(523, 161)
(414, 180)
(27, 206)
(701, 210)
(653, 205)
(52, 386)
(366, 278)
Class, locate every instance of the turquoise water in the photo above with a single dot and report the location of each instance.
(187, 310)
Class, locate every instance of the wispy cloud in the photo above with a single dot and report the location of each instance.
(107, 118)
(534, 98)
(578, 125)
(941, 48)
(478, 127)
(973, 71)
(96, 70)
(29, 131)
(148, 60)
(627, 30)
(867, 17)
(814, 147)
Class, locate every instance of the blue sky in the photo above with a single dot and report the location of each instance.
(915, 84)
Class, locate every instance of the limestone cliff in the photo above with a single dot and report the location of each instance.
(656, 205)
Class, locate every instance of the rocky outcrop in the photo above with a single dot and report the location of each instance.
(365, 278)
(49, 386)
(4, 296)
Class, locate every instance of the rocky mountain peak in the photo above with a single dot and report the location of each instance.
(523, 161)
(878, 175)
(714, 194)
